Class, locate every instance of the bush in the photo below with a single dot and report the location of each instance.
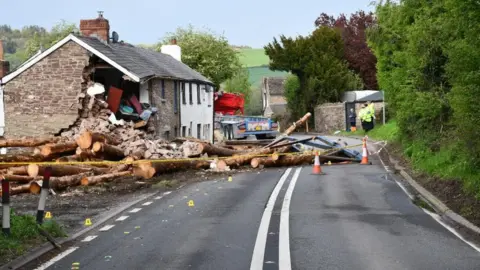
(24, 235)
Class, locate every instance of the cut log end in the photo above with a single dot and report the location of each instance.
(33, 170)
(97, 147)
(84, 181)
(144, 170)
(35, 187)
(84, 141)
(221, 165)
(255, 162)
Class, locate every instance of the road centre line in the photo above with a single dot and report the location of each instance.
(261, 240)
(56, 258)
(147, 203)
(284, 235)
(135, 210)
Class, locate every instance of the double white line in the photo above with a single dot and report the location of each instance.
(284, 235)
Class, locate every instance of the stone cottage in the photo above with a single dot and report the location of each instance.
(41, 96)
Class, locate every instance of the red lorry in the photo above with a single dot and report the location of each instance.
(230, 118)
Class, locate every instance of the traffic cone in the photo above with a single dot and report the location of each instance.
(364, 153)
(316, 166)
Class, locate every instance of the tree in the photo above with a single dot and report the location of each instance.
(239, 83)
(357, 53)
(47, 39)
(317, 61)
(19, 45)
(206, 52)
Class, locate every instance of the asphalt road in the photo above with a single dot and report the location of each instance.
(353, 217)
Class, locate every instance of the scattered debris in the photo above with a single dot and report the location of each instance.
(95, 151)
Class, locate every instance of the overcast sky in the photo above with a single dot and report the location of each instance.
(245, 22)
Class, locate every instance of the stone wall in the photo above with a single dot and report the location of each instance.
(43, 99)
(329, 117)
(166, 120)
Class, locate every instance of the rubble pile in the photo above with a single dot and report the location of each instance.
(95, 150)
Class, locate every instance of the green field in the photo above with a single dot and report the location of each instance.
(257, 73)
(253, 57)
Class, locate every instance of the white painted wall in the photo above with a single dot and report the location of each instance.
(191, 115)
(144, 93)
(2, 112)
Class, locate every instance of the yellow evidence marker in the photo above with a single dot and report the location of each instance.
(191, 203)
(230, 179)
(48, 215)
(88, 222)
(75, 266)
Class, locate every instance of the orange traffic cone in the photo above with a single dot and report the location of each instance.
(316, 166)
(364, 153)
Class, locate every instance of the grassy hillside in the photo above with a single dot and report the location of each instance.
(257, 62)
(253, 57)
(257, 73)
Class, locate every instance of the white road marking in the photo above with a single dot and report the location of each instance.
(158, 198)
(405, 190)
(147, 203)
(135, 210)
(89, 238)
(284, 237)
(56, 258)
(122, 218)
(452, 230)
(167, 192)
(106, 228)
(261, 241)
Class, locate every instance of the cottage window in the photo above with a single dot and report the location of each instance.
(184, 131)
(190, 93)
(184, 98)
(175, 133)
(175, 97)
(163, 89)
(199, 131)
(198, 94)
(209, 98)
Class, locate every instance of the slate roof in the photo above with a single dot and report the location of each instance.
(143, 62)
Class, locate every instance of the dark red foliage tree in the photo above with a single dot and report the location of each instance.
(357, 53)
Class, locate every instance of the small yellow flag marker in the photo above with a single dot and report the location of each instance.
(88, 222)
(48, 215)
(76, 266)
(191, 203)
(230, 179)
(329, 162)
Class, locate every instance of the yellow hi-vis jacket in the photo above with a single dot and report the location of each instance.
(371, 109)
(365, 115)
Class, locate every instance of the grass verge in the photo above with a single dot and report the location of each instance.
(25, 235)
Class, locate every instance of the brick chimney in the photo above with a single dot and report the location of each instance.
(99, 28)
(4, 65)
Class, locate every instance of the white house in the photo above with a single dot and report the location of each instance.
(196, 110)
(196, 103)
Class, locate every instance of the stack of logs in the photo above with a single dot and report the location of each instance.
(94, 157)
